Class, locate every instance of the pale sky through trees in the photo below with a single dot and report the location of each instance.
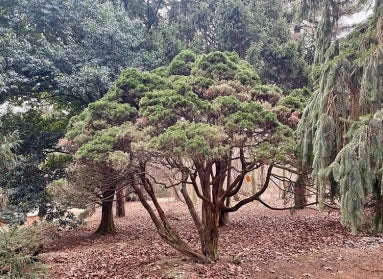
(348, 22)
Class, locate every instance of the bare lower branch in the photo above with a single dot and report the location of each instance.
(253, 197)
(193, 212)
(295, 171)
(198, 192)
(285, 208)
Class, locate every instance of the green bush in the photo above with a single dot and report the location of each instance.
(17, 248)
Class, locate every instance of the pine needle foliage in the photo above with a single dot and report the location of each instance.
(17, 246)
(358, 170)
(341, 131)
(8, 144)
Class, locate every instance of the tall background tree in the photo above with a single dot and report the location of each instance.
(259, 31)
(341, 130)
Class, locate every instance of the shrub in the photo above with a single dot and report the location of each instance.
(18, 249)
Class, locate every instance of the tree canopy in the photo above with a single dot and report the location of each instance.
(198, 119)
(66, 53)
(38, 163)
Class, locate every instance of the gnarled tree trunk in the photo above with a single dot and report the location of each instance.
(164, 228)
(209, 238)
(224, 216)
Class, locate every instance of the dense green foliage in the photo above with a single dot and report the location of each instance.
(256, 30)
(26, 182)
(8, 145)
(17, 246)
(8, 161)
(56, 57)
(65, 52)
(341, 131)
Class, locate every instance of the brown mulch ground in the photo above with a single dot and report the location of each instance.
(258, 243)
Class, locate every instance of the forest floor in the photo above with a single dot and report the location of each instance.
(258, 243)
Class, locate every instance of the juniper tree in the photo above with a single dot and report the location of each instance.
(341, 128)
(193, 118)
(92, 137)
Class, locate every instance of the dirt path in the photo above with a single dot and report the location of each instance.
(258, 243)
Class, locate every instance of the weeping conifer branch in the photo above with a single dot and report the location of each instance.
(341, 128)
(358, 169)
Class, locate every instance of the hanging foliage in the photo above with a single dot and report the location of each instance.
(341, 131)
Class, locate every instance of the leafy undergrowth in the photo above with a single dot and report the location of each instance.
(258, 243)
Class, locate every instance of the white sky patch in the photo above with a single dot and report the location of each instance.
(3, 108)
(15, 109)
(348, 22)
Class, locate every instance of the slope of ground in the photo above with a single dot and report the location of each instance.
(258, 243)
